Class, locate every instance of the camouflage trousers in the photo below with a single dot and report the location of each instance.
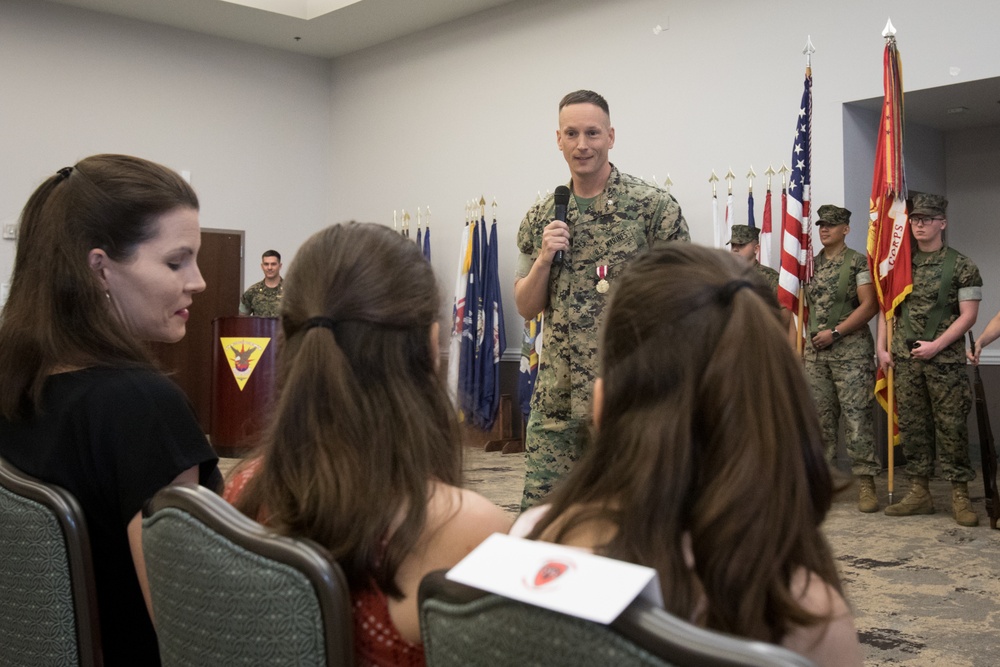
(933, 402)
(846, 387)
(551, 446)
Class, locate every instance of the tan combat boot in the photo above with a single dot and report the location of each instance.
(916, 501)
(961, 506)
(867, 498)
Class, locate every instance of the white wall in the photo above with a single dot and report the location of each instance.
(469, 108)
(252, 125)
(973, 191)
(280, 147)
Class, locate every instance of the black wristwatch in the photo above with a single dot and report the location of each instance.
(836, 335)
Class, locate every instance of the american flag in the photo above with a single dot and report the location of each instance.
(796, 250)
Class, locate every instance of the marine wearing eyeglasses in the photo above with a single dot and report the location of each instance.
(928, 353)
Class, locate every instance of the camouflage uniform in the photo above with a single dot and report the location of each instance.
(933, 397)
(769, 275)
(842, 376)
(627, 217)
(740, 235)
(262, 301)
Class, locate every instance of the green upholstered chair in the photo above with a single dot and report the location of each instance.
(48, 603)
(228, 591)
(465, 626)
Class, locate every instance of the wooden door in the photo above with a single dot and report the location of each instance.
(190, 361)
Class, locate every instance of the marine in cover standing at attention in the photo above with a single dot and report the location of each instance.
(840, 359)
(928, 352)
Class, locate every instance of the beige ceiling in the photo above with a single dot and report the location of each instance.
(350, 28)
(360, 24)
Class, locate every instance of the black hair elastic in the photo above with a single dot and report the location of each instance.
(728, 291)
(65, 172)
(314, 322)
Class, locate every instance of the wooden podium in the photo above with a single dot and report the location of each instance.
(244, 381)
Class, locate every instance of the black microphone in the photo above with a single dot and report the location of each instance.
(562, 200)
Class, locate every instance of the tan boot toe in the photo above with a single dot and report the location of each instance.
(916, 501)
(961, 506)
(867, 497)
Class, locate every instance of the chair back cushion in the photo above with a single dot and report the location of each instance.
(48, 605)
(462, 625)
(216, 603)
(494, 631)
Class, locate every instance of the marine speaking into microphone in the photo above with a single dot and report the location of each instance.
(614, 217)
(561, 198)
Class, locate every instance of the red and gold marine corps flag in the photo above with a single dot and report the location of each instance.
(888, 232)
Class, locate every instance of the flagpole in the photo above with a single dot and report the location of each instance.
(765, 227)
(889, 33)
(889, 256)
(713, 179)
(750, 217)
(806, 202)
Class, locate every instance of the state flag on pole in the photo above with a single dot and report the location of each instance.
(468, 376)
(458, 316)
(888, 233)
(796, 253)
(494, 340)
(531, 349)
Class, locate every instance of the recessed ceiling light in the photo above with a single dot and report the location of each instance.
(300, 9)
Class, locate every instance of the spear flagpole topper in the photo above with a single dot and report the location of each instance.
(808, 51)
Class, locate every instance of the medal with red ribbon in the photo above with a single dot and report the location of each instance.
(602, 283)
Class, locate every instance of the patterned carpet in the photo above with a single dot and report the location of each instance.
(925, 591)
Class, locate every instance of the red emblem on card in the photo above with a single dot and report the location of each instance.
(549, 572)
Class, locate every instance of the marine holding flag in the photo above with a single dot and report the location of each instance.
(610, 219)
(928, 355)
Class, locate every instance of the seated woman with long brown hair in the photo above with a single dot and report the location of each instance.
(708, 463)
(107, 260)
(363, 455)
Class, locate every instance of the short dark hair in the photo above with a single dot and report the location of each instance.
(271, 253)
(585, 97)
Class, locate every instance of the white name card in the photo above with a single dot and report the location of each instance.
(564, 579)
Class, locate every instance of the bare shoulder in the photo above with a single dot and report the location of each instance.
(834, 642)
(463, 515)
